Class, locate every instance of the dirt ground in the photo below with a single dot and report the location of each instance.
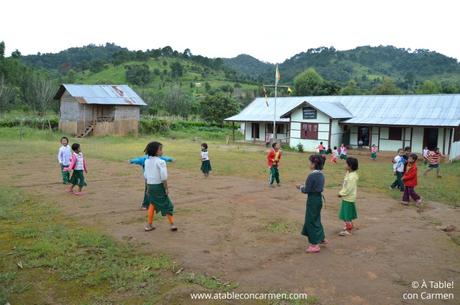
(239, 230)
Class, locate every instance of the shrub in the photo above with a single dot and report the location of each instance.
(300, 147)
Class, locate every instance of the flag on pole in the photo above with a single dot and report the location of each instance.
(277, 75)
(289, 90)
(266, 97)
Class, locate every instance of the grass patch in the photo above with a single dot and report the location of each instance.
(280, 226)
(47, 258)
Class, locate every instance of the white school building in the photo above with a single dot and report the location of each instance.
(388, 121)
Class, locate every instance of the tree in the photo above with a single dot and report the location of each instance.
(216, 107)
(7, 95)
(387, 87)
(309, 82)
(177, 102)
(351, 88)
(138, 74)
(177, 70)
(16, 54)
(428, 87)
(38, 92)
(2, 49)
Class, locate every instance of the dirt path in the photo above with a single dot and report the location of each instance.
(239, 230)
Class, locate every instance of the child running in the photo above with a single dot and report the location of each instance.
(156, 175)
(398, 170)
(373, 152)
(273, 159)
(64, 155)
(410, 182)
(141, 161)
(335, 155)
(78, 165)
(434, 162)
(347, 211)
(205, 163)
(343, 152)
(425, 153)
(313, 187)
(321, 149)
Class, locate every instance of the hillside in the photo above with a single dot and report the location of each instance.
(362, 64)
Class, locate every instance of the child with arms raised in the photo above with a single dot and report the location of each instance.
(273, 159)
(410, 181)
(156, 175)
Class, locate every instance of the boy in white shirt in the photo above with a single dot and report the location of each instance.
(63, 156)
(398, 170)
(156, 176)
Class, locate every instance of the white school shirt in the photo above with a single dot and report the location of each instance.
(155, 171)
(426, 153)
(64, 155)
(204, 155)
(398, 165)
(335, 152)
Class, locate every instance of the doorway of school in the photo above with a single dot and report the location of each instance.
(363, 136)
(430, 138)
(255, 130)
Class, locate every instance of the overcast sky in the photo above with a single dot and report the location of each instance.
(269, 30)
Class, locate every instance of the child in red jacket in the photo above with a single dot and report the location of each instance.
(410, 181)
(273, 159)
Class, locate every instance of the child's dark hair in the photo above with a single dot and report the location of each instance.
(75, 147)
(413, 156)
(152, 148)
(321, 143)
(436, 149)
(352, 163)
(407, 148)
(274, 144)
(65, 138)
(317, 160)
(205, 145)
(335, 147)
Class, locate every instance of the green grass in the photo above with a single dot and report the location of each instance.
(243, 160)
(48, 257)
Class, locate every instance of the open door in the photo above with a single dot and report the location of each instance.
(430, 138)
(363, 135)
(255, 130)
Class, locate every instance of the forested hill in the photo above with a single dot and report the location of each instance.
(362, 64)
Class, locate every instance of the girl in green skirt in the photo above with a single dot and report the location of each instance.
(314, 186)
(78, 166)
(347, 211)
(156, 176)
(205, 163)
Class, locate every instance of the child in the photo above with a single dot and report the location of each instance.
(398, 170)
(273, 159)
(321, 148)
(334, 155)
(141, 161)
(426, 151)
(64, 155)
(410, 182)
(407, 152)
(156, 175)
(373, 152)
(434, 160)
(343, 152)
(205, 163)
(78, 165)
(314, 186)
(347, 211)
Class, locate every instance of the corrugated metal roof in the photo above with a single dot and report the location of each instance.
(257, 110)
(413, 110)
(102, 94)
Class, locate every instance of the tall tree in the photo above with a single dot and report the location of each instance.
(216, 107)
(387, 87)
(38, 92)
(428, 87)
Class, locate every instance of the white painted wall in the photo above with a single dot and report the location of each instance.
(336, 134)
(455, 151)
(262, 131)
(323, 130)
(417, 139)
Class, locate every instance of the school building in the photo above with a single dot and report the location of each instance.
(388, 121)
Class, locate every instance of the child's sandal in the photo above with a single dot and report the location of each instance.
(173, 228)
(148, 228)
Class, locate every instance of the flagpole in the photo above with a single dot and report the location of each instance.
(274, 112)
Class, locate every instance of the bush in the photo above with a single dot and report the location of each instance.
(33, 122)
(300, 147)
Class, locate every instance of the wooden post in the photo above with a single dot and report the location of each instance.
(444, 141)
(378, 140)
(233, 131)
